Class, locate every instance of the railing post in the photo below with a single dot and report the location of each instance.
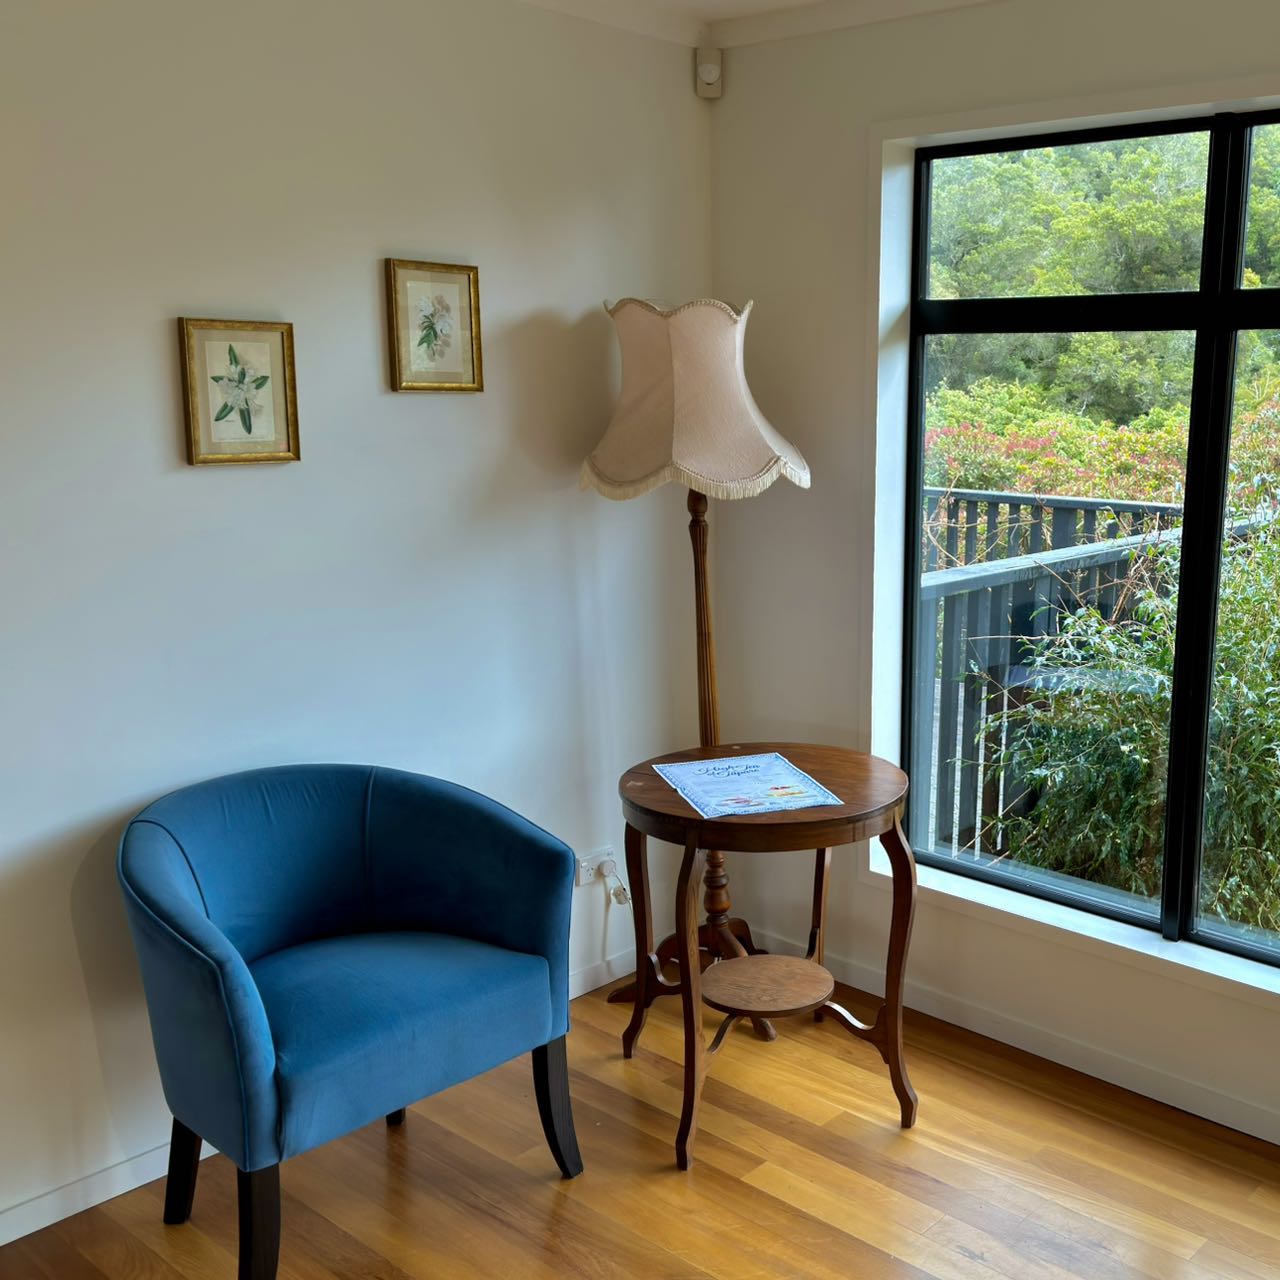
(1063, 530)
(953, 532)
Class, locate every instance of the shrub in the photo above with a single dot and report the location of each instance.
(1004, 436)
(1091, 745)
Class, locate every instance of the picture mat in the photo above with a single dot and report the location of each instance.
(737, 786)
(256, 356)
(221, 339)
(451, 361)
(411, 284)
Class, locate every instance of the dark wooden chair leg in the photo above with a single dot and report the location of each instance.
(396, 1117)
(180, 1184)
(551, 1087)
(259, 1200)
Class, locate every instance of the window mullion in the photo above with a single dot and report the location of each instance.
(1101, 313)
(1204, 512)
(915, 469)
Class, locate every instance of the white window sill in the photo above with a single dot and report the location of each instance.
(1188, 962)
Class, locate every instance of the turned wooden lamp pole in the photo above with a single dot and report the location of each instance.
(685, 413)
(716, 900)
(720, 937)
(708, 699)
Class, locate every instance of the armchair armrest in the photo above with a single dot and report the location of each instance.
(212, 1041)
(446, 859)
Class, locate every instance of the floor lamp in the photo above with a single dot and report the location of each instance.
(685, 413)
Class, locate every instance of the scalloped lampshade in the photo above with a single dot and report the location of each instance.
(685, 411)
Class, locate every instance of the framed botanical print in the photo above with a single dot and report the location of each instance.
(433, 320)
(239, 391)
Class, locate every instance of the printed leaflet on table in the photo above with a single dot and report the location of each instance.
(738, 785)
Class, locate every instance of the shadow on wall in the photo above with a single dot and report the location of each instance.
(64, 942)
(556, 376)
(113, 987)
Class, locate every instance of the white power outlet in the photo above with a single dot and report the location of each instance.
(589, 865)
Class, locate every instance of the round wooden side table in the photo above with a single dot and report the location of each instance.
(759, 985)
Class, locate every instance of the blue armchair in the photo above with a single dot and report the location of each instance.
(323, 944)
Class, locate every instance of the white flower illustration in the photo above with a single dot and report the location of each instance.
(239, 388)
(435, 325)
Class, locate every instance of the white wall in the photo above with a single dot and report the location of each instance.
(795, 145)
(427, 588)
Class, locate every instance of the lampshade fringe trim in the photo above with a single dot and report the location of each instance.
(592, 478)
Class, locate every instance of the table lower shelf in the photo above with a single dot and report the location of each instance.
(766, 986)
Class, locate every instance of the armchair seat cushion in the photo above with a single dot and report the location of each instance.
(366, 1023)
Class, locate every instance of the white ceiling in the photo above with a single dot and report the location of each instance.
(726, 23)
(720, 10)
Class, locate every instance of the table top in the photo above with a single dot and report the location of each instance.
(873, 792)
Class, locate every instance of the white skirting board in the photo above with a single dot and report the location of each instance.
(603, 972)
(1141, 1077)
(52, 1206)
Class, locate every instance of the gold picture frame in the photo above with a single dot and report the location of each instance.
(237, 379)
(433, 326)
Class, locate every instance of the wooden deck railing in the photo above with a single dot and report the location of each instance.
(965, 526)
(982, 621)
(1000, 570)
(983, 614)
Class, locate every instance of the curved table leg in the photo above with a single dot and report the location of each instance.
(818, 919)
(742, 931)
(690, 996)
(649, 982)
(714, 943)
(886, 1031)
(638, 876)
(889, 1020)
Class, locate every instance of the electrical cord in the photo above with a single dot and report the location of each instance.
(609, 871)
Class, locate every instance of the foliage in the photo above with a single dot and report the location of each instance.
(1254, 478)
(1091, 745)
(1124, 216)
(1105, 415)
(1004, 436)
(1262, 230)
(1113, 217)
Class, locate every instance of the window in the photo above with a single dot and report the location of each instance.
(1092, 688)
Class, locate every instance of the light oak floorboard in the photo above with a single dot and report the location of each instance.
(1017, 1169)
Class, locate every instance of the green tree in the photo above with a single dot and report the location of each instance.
(1262, 228)
(1102, 217)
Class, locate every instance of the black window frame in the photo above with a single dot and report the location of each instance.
(1217, 311)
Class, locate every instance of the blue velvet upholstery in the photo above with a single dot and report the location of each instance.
(323, 944)
(367, 1023)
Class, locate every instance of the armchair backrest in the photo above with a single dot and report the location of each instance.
(273, 857)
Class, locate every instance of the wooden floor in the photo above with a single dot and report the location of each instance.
(1017, 1169)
